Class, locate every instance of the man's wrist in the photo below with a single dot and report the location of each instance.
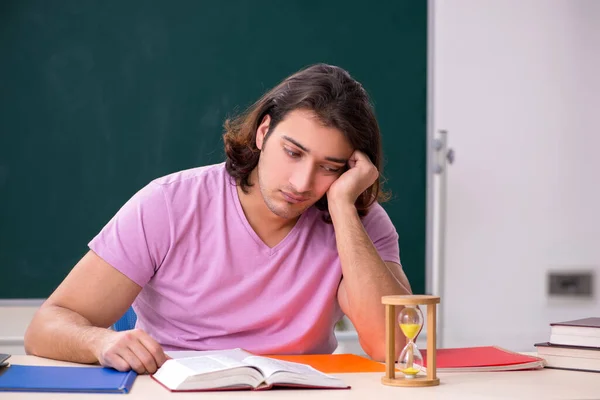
(93, 338)
(341, 210)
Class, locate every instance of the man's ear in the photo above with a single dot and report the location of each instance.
(261, 132)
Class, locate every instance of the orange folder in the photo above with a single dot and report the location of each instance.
(335, 363)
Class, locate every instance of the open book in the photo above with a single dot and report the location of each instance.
(238, 370)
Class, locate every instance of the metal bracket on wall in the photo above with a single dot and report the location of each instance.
(443, 157)
(443, 153)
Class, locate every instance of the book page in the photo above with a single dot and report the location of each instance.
(207, 372)
(287, 373)
(236, 354)
(215, 362)
(269, 366)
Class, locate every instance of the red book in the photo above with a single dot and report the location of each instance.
(486, 358)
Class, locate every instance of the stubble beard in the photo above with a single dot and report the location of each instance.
(281, 211)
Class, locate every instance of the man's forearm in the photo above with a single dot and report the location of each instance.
(62, 334)
(366, 279)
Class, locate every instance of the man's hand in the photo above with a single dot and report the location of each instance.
(360, 175)
(126, 350)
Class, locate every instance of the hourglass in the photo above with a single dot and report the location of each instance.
(410, 319)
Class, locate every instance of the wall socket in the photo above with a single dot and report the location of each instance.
(571, 284)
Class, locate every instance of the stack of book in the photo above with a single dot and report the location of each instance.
(573, 345)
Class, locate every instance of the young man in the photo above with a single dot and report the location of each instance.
(265, 252)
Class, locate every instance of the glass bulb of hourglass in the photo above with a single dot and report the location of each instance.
(410, 320)
(410, 362)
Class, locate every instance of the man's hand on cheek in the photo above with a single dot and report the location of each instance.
(361, 174)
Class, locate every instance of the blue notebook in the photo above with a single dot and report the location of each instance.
(29, 378)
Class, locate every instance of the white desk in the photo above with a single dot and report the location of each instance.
(542, 384)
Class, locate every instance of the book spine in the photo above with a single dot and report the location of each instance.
(128, 381)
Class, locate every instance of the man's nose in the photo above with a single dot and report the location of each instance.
(302, 178)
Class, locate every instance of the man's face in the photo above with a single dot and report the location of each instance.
(299, 160)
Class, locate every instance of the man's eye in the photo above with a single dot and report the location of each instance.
(331, 169)
(291, 153)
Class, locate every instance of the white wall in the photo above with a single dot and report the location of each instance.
(14, 320)
(516, 83)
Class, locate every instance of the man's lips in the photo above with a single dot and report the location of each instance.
(292, 198)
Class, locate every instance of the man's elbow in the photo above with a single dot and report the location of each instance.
(378, 350)
(33, 340)
(30, 342)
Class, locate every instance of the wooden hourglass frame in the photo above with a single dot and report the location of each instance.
(391, 302)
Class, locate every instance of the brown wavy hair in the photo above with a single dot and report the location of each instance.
(338, 101)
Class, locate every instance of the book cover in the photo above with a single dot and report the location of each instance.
(334, 363)
(593, 322)
(3, 360)
(29, 378)
(484, 358)
(563, 349)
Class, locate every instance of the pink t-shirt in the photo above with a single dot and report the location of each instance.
(208, 280)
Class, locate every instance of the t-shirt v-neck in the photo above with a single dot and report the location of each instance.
(289, 238)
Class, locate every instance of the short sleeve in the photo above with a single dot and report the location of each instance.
(383, 234)
(137, 239)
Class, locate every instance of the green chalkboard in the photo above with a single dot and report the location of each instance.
(97, 98)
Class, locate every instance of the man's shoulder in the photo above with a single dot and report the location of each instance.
(377, 222)
(212, 175)
(375, 215)
(376, 211)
